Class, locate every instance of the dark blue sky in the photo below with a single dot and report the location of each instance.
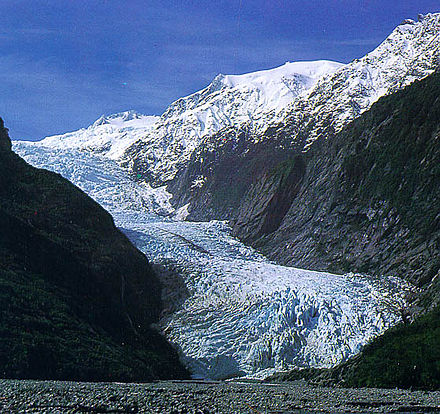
(64, 63)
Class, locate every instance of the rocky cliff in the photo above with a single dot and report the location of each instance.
(369, 195)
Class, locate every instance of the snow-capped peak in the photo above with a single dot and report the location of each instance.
(265, 79)
(108, 135)
(328, 93)
(126, 119)
(258, 92)
(253, 98)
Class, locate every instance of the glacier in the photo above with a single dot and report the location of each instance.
(228, 310)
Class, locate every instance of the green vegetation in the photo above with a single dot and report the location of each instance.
(76, 298)
(394, 153)
(405, 356)
(41, 337)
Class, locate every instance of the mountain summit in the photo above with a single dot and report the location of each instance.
(312, 97)
(410, 52)
(109, 136)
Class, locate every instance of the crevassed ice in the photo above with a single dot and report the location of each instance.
(241, 315)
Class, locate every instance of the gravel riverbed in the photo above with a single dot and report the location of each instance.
(206, 398)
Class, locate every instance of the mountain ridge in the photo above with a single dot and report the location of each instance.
(166, 144)
(313, 97)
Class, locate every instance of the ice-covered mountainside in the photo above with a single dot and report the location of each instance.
(240, 313)
(322, 94)
(255, 98)
(109, 136)
(410, 52)
(167, 141)
(329, 102)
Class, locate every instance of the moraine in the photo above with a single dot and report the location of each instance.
(231, 311)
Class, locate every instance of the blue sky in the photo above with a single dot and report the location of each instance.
(63, 63)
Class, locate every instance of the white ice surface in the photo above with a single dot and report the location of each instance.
(109, 136)
(245, 315)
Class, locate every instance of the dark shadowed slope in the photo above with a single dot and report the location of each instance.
(76, 298)
(371, 201)
(370, 196)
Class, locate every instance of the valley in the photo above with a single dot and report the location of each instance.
(275, 226)
(283, 160)
(231, 312)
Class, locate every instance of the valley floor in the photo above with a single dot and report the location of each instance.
(206, 397)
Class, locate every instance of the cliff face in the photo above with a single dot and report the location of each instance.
(77, 299)
(368, 200)
(365, 199)
(218, 176)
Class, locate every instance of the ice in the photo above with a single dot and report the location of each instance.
(241, 314)
(109, 136)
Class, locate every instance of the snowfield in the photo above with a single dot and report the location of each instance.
(230, 311)
(109, 136)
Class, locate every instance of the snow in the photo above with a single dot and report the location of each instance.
(319, 93)
(229, 100)
(278, 86)
(411, 52)
(109, 136)
(243, 315)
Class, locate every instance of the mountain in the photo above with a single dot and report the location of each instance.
(77, 299)
(342, 178)
(109, 136)
(239, 155)
(410, 52)
(254, 98)
(363, 199)
(345, 182)
(314, 98)
(302, 209)
(310, 98)
(162, 144)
